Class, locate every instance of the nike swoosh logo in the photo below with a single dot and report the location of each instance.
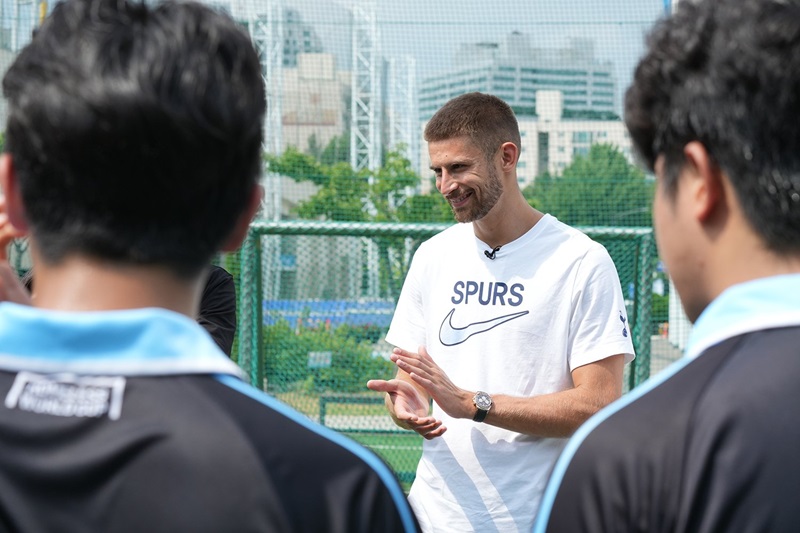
(450, 335)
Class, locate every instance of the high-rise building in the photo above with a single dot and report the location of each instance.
(514, 71)
(298, 38)
(550, 142)
(314, 101)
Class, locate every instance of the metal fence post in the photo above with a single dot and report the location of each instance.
(251, 355)
(645, 267)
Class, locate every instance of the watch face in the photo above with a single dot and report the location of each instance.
(483, 401)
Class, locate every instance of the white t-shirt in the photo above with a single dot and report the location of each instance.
(517, 324)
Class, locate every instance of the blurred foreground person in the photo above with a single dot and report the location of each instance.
(711, 444)
(133, 155)
(217, 312)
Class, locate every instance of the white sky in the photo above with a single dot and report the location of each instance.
(432, 30)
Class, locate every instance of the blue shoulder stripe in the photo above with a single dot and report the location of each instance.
(574, 443)
(383, 471)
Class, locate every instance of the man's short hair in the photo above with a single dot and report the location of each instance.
(135, 131)
(486, 119)
(726, 73)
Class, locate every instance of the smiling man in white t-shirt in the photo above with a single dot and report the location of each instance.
(512, 322)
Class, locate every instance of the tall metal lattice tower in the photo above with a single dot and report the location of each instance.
(365, 115)
(365, 108)
(402, 108)
(264, 21)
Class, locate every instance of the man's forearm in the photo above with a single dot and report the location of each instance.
(550, 415)
(557, 414)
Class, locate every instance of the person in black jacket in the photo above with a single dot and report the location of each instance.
(133, 153)
(217, 312)
(710, 444)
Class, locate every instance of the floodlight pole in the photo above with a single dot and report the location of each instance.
(365, 114)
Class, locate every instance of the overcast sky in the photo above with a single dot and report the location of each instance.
(432, 30)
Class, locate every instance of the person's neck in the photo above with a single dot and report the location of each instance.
(81, 284)
(738, 255)
(506, 222)
(748, 264)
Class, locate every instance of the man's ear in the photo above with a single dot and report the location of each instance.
(704, 180)
(509, 152)
(239, 231)
(10, 189)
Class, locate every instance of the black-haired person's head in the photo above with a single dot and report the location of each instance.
(135, 132)
(726, 73)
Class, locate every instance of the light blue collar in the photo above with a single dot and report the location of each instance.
(764, 303)
(135, 342)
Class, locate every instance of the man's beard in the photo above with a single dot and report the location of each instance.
(490, 194)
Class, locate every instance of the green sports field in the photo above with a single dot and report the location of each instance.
(400, 450)
(363, 418)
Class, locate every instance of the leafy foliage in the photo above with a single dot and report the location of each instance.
(385, 195)
(352, 362)
(341, 195)
(600, 189)
(297, 165)
(337, 150)
(346, 195)
(425, 208)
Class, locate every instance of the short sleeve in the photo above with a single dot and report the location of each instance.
(407, 330)
(218, 308)
(599, 326)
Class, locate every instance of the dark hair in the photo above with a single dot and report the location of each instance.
(135, 131)
(485, 119)
(726, 73)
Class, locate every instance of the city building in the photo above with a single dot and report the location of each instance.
(550, 142)
(298, 38)
(315, 101)
(515, 71)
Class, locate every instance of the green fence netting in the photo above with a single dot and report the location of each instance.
(349, 195)
(316, 299)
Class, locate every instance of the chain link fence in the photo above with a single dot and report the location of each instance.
(316, 300)
(349, 195)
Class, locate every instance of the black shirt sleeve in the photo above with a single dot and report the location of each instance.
(218, 308)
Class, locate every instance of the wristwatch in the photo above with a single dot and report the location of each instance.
(483, 402)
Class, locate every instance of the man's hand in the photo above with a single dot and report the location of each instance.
(408, 407)
(453, 400)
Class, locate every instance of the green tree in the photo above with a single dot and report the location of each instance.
(381, 196)
(390, 184)
(346, 195)
(337, 150)
(314, 149)
(352, 364)
(388, 198)
(341, 196)
(298, 166)
(538, 192)
(599, 189)
(431, 207)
